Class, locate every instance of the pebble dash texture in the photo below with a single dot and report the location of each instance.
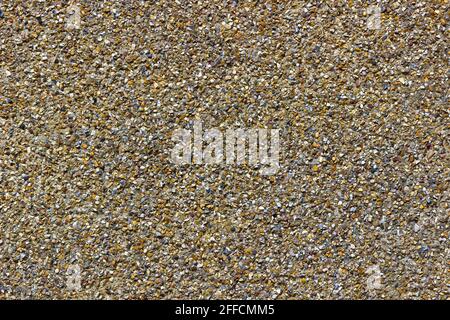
(358, 210)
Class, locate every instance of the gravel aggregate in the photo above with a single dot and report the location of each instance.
(91, 206)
